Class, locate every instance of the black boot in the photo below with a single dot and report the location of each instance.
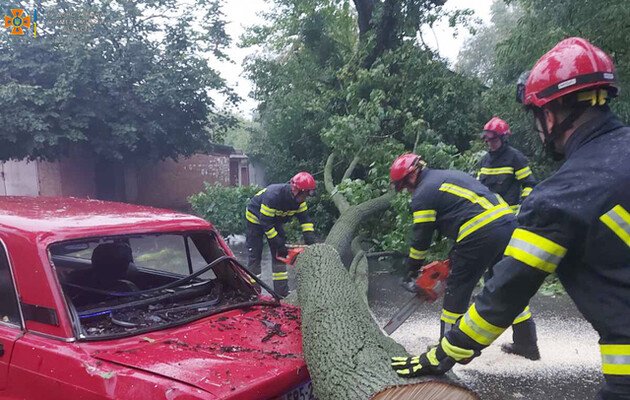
(525, 341)
(530, 352)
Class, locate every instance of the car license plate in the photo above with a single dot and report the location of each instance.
(302, 392)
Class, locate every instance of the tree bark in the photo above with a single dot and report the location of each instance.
(346, 353)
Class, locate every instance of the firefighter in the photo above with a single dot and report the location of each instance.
(576, 223)
(266, 212)
(479, 221)
(504, 170)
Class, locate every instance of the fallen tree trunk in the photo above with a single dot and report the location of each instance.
(346, 352)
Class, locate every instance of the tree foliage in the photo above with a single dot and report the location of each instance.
(117, 78)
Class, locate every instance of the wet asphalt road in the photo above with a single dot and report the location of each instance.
(570, 364)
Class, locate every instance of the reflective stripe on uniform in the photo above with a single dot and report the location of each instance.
(481, 220)
(303, 207)
(523, 316)
(268, 211)
(526, 192)
(251, 217)
(466, 194)
(456, 353)
(280, 276)
(422, 216)
(535, 250)
(497, 171)
(271, 233)
(618, 220)
(260, 192)
(417, 254)
(523, 173)
(449, 317)
(615, 359)
(308, 227)
(478, 329)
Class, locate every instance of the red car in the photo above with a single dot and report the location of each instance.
(102, 300)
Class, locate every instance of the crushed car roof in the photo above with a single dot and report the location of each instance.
(63, 218)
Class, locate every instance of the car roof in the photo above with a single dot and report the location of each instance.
(52, 219)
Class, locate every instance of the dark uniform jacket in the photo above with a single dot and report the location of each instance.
(274, 206)
(577, 224)
(504, 172)
(455, 204)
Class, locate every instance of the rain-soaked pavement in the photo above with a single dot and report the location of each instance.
(570, 364)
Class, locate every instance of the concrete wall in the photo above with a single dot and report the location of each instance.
(70, 177)
(168, 183)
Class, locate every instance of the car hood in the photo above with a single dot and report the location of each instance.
(240, 354)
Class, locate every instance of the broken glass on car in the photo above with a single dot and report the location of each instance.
(124, 285)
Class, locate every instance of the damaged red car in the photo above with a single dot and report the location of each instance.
(102, 300)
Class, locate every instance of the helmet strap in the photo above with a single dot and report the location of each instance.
(558, 129)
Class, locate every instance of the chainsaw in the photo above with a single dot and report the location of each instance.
(430, 285)
(293, 252)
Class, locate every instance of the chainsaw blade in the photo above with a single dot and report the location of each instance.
(403, 313)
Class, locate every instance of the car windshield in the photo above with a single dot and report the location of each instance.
(123, 285)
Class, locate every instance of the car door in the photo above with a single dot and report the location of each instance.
(10, 318)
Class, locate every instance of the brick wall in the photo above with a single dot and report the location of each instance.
(168, 183)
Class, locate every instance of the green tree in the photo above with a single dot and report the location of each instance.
(119, 79)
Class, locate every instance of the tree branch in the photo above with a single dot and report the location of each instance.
(365, 8)
(350, 168)
(340, 202)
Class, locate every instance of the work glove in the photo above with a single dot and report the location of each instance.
(282, 251)
(437, 361)
(413, 270)
(309, 238)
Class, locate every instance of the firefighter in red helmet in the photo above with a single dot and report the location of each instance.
(576, 223)
(266, 212)
(504, 169)
(477, 220)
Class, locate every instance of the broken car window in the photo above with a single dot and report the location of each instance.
(122, 285)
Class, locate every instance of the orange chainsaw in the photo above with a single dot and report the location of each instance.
(293, 252)
(430, 285)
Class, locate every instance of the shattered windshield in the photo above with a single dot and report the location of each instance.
(123, 285)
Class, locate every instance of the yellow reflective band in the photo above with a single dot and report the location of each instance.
(526, 192)
(478, 329)
(260, 192)
(481, 220)
(271, 233)
(417, 254)
(515, 208)
(466, 194)
(251, 217)
(497, 171)
(303, 207)
(268, 211)
(399, 361)
(449, 317)
(615, 359)
(422, 216)
(535, 250)
(523, 316)
(308, 227)
(595, 97)
(280, 276)
(523, 173)
(431, 356)
(618, 220)
(456, 353)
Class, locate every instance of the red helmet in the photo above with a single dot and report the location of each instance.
(303, 181)
(497, 126)
(403, 166)
(572, 65)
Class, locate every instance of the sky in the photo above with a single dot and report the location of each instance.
(243, 13)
